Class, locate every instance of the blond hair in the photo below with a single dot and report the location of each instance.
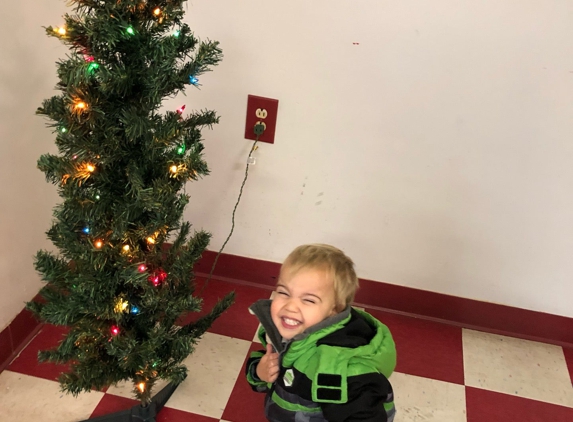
(337, 265)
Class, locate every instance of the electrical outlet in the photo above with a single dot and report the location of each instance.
(261, 110)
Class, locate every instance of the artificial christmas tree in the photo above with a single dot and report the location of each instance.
(120, 170)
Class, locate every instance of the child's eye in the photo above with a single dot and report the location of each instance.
(283, 293)
(309, 301)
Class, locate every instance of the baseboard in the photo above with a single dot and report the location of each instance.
(467, 313)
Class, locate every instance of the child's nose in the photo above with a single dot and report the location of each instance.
(291, 305)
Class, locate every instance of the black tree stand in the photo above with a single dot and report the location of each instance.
(139, 413)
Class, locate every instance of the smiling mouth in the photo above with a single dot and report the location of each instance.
(290, 323)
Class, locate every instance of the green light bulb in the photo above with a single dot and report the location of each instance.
(63, 130)
(176, 33)
(181, 150)
(130, 30)
(93, 67)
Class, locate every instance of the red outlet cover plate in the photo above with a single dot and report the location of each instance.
(271, 106)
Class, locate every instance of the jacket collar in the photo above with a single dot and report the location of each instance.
(262, 310)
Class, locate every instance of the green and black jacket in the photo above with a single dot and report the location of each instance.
(335, 371)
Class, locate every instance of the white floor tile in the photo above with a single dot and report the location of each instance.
(213, 370)
(420, 399)
(29, 399)
(518, 367)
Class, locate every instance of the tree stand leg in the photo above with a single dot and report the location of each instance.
(139, 413)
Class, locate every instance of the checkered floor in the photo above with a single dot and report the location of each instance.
(444, 374)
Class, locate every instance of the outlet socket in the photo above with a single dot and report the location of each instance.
(263, 111)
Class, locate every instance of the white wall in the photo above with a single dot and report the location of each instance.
(27, 76)
(435, 152)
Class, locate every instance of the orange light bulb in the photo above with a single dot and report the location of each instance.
(90, 168)
(98, 244)
(150, 240)
(157, 11)
(126, 248)
(62, 31)
(173, 169)
(141, 386)
(81, 105)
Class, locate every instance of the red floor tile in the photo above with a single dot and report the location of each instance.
(236, 322)
(245, 405)
(27, 362)
(569, 359)
(484, 405)
(424, 348)
(110, 404)
(173, 415)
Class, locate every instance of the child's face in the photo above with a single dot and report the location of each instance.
(302, 300)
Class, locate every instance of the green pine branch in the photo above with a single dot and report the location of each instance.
(120, 170)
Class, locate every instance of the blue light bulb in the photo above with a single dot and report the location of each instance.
(86, 230)
(193, 80)
(134, 310)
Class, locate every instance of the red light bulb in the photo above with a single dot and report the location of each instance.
(114, 330)
(162, 275)
(157, 277)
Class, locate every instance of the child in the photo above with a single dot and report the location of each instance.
(324, 361)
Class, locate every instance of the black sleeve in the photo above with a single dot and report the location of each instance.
(366, 397)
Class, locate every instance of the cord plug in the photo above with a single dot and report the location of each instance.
(259, 129)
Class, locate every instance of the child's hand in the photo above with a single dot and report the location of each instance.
(268, 367)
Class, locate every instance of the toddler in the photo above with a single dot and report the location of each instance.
(324, 360)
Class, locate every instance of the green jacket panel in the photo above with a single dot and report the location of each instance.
(329, 372)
